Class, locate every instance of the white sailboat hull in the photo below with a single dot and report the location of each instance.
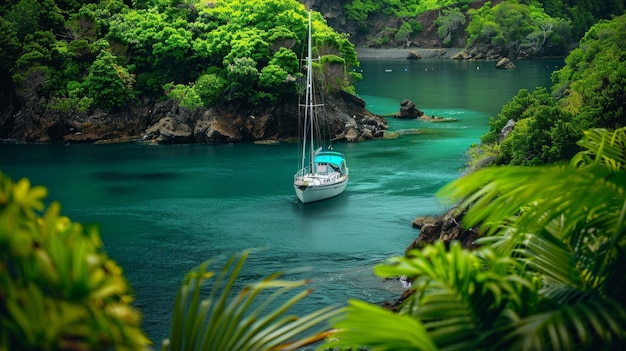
(309, 191)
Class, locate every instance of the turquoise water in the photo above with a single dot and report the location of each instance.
(164, 209)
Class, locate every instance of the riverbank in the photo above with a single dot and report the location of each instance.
(403, 53)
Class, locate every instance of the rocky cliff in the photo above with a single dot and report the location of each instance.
(166, 122)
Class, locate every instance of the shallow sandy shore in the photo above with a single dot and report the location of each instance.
(402, 53)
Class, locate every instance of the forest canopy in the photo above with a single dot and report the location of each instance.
(588, 92)
(527, 27)
(103, 54)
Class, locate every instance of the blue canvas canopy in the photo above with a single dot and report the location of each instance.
(334, 158)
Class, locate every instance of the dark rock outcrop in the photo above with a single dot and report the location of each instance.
(408, 110)
(446, 228)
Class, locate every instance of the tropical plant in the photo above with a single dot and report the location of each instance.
(59, 289)
(549, 276)
(255, 318)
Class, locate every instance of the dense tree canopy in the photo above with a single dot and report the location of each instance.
(528, 27)
(74, 56)
(525, 29)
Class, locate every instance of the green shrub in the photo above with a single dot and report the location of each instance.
(59, 289)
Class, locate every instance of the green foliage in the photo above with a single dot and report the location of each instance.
(593, 79)
(404, 31)
(524, 28)
(360, 10)
(254, 318)
(186, 96)
(449, 22)
(588, 93)
(156, 42)
(74, 103)
(210, 87)
(108, 84)
(29, 16)
(545, 134)
(9, 45)
(549, 275)
(242, 76)
(481, 155)
(59, 289)
(583, 14)
(167, 45)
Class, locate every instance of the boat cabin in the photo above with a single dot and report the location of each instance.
(329, 162)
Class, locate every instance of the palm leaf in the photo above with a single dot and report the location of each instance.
(593, 323)
(602, 147)
(255, 318)
(461, 296)
(378, 329)
(582, 205)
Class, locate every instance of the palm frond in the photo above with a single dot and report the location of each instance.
(602, 147)
(366, 325)
(581, 205)
(460, 295)
(593, 323)
(255, 318)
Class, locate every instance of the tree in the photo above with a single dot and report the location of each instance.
(523, 27)
(404, 32)
(29, 16)
(449, 22)
(108, 84)
(242, 76)
(210, 87)
(9, 46)
(549, 276)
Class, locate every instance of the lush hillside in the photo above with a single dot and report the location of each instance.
(587, 93)
(105, 53)
(540, 27)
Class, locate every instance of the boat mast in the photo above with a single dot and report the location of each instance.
(309, 97)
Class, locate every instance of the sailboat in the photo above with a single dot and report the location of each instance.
(323, 172)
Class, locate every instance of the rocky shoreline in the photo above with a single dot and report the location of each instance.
(165, 122)
(404, 53)
(445, 228)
